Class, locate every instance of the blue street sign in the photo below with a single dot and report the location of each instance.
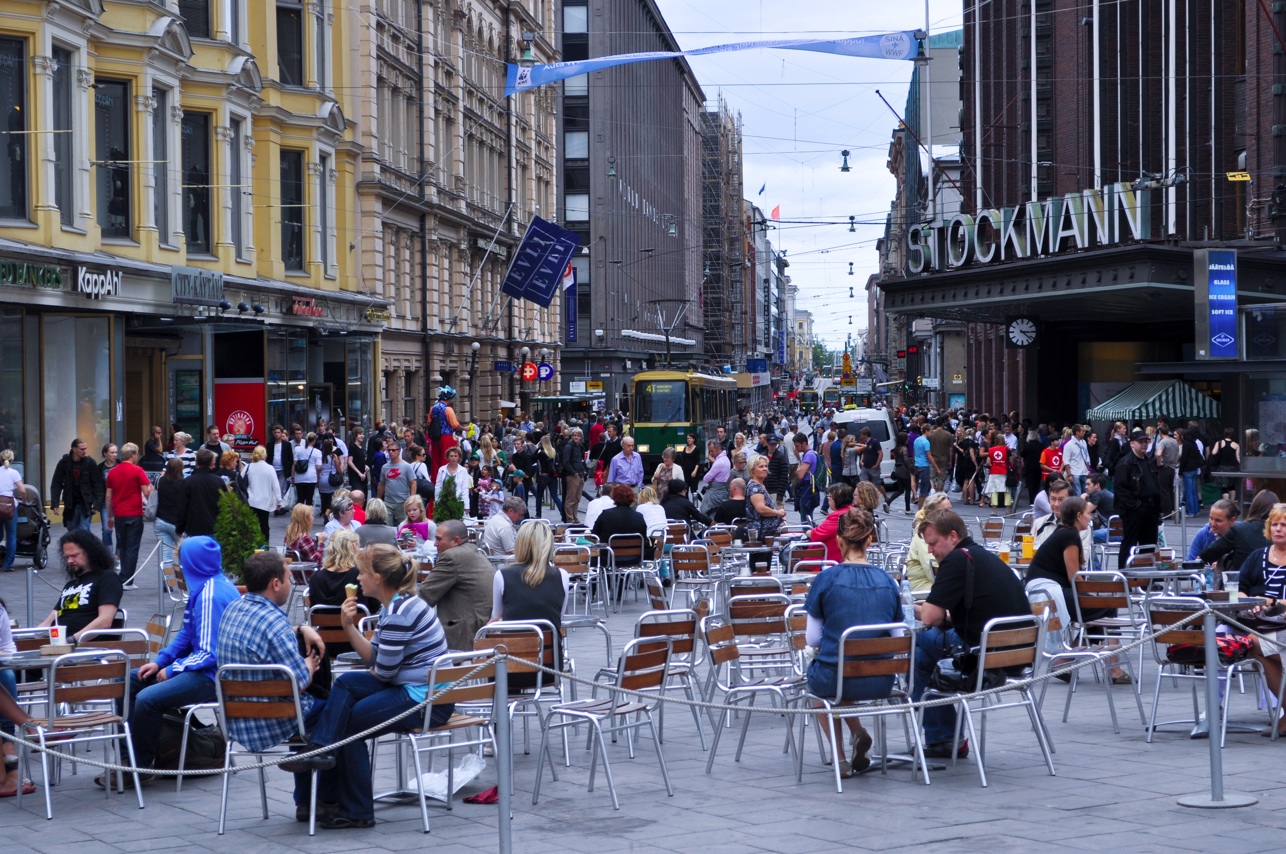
(504, 367)
(544, 371)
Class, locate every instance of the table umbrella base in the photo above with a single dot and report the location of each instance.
(1231, 800)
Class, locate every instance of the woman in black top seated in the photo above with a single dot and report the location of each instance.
(1232, 549)
(1057, 561)
(623, 519)
(678, 506)
(527, 589)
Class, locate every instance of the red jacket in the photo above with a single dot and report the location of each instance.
(825, 533)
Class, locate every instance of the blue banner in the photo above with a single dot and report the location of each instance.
(540, 262)
(569, 303)
(898, 46)
(1222, 288)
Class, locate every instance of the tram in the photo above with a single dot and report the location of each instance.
(808, 399)
(668, 405)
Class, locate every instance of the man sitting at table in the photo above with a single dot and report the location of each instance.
(734, 508)
(598, 505)
(972, 586)
(501, 530)
(460, 584)
(255, 630)
(183, 673)
(1043, 526)
(1223, 513)
(92, 595)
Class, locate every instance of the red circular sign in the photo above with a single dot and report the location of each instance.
(240, 423)
(528, 371)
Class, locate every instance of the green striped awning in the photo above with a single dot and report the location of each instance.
(1149, 399)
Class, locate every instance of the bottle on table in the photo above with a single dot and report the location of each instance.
(908, 603)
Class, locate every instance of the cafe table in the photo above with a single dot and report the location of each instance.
(1217, 797)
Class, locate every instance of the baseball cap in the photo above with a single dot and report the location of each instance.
(1138, 434)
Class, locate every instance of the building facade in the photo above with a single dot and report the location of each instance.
(631, 187)
(174, 213)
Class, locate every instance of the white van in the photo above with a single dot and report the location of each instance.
(881, 424)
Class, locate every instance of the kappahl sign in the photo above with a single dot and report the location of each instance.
(1075, 220)
(96, 284)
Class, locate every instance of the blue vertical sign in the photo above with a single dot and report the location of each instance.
(1220, 280)
(570, 307)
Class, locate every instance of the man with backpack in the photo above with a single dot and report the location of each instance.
(442, 427)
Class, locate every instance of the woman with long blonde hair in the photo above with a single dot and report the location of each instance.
(527, 590)
(299, 536)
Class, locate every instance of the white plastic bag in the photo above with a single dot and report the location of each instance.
(434, 783)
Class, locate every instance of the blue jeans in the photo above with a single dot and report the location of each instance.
(129, 535)
(547, 483)
(805, 500)
(11, 540)
(931, 645)
(104, 532)
(151, 700)
(358, 701)
(1190, 498)
(168, 537)
(9, 683)
(79, 516)
(923, 480)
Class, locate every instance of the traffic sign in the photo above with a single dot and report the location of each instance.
(576, 387)
(848, 381)
(545, 371)
(529, 371)
(504, 367)
(957, 378)
(929, 382)
(594, 385)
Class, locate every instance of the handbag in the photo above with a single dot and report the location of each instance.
(335, 479)
(6, 508)
(423, 486)
(959, 673)
(301, 466)
(1231, 648)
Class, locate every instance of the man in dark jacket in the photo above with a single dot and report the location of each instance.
(78, 479)
(778, 478)
(571, 464)
(677, 505)
(1138, 496)
(202, 490)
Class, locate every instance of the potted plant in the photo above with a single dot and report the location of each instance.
(447, 504)
(237, 532)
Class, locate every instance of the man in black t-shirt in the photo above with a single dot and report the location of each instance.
(92, 595)
(734, 507)
(972, 587)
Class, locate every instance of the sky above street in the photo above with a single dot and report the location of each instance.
(799, 111)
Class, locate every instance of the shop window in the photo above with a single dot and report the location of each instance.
(196, 181)
(64, 165)
(290, 43)
(77, 387)
(112, 155)
(287, 377)
(161, 168)
(196, 17)
(292, 210)
(13, 103)
(324, 212)
(575, 19)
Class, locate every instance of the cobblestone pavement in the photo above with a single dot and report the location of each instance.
(1111, 791)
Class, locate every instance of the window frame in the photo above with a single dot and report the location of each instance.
(193, 194)
(17, 148)
(292, 208)
(121, 171)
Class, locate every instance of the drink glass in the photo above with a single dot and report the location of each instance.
(1233, 586)
(55, 634)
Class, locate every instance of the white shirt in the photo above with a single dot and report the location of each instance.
(335, 525)
(9, 479)
(499, 535)
(1076, 455)
(314, 458)
(263, 492)
(463, 483)
(596, 507)
(653, 515)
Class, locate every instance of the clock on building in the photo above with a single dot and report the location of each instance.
(1020, 332)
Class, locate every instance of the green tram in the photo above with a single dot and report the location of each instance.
(830, 398)
(808, 399)
(668, 405)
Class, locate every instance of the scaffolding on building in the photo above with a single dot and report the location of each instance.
(723, 289)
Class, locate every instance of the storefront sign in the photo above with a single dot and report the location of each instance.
(544, 371)
(238, 406)
(1215, 291)
(593, 385)
(576, 387)
(305, 307)
(98, 285)
(503, 367)
(194, 286)
(31, 275)
(374, 315)
(1081, 220)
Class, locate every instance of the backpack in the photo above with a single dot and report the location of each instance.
(1015, 472)
(206, 745)
(436, 416)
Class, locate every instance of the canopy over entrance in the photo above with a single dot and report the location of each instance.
(1155, 399)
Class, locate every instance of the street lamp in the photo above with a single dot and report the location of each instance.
(473, 380)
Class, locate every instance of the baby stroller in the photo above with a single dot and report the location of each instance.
(33, 529)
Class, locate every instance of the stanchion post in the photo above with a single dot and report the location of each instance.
(31, 591)
(504, 755)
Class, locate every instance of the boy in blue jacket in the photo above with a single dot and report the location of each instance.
(183, 672)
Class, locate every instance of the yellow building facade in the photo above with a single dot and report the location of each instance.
(178, 219)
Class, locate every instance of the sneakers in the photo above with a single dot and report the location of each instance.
(103, 783)
(130, 585)
(942, 750)
(323, 810)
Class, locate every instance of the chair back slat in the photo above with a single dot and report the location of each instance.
(524, 645)
(643, 665)
(90, 681)
(1191, 633)
(679, 626)
(480, 687)
(1007, 642)
(257, 710)
(884, 655)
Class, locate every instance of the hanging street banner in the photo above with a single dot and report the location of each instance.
(1215, 291)
(569, 302)
(898, 46)
(540, 262)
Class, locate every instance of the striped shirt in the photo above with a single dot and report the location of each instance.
(409, 639)
(189, 459)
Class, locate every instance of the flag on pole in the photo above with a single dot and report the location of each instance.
(569, 302)
(776, 212)
(540, 262)
(762, 188)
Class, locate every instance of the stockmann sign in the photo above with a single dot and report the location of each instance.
(1075, 220)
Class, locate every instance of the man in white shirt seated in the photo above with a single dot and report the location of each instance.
(501, 530)
(1043, 526)
(599, 504)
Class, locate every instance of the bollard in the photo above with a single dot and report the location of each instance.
(504, 756)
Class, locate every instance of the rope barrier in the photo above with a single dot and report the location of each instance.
(1010, 685)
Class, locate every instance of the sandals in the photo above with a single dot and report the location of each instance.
(28, 788)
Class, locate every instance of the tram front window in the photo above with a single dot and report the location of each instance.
(661, 402)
